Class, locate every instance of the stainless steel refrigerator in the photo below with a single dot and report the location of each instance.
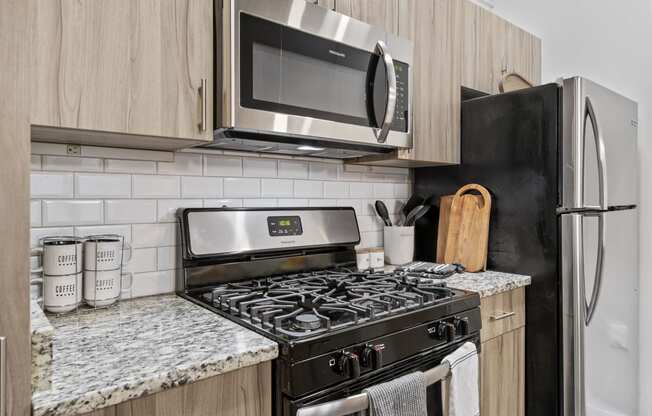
(561, 163)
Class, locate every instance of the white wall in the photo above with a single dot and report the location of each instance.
(128, 192)
(609, 42)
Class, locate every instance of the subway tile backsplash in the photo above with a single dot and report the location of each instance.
(130, 193)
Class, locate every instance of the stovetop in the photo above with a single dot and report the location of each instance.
(310, 304)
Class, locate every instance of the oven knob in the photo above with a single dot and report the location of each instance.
(348, 365)
(372, 356)
(462, 326)
(446, 331)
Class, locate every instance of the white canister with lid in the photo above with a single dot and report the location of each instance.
(362, 259)
(104, 256)
(61, 259)
(377, 258)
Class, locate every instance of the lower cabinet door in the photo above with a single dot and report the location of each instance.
(502, 375)
(243, 392)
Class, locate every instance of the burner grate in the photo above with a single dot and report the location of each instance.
(306, 304)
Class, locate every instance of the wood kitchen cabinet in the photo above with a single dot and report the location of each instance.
(15, 18)
(493, 47)
(381, 13)
(456, 44)
(502, 356)
(123, 72)
(243, 392)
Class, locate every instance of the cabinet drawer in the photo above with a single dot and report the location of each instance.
(502, 313)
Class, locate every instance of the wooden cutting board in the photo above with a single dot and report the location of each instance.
(463, 234)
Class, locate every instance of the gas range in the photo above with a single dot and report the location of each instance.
(339, 329)
(310, 304)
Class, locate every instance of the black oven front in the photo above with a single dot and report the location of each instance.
(423, 361)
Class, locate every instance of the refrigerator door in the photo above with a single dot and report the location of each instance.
(600, 313)
(599, 147)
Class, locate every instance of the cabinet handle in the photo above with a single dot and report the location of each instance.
(3, 376)
(204, 107)
(501, 316)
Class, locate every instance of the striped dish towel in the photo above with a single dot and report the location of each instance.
(463, 395)
(404, 396)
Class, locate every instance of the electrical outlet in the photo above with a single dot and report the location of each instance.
(73, 150)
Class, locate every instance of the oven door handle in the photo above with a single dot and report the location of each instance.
(390, 104)
(360, 402)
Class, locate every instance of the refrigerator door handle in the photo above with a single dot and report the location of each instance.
(600, 149)
(599, 268)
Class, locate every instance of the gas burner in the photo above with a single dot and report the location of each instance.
(307, 321)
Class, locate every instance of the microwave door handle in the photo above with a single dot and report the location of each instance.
(600, 149)
(383, 130)
(599, 268)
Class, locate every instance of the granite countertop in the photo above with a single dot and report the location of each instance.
(488, 283)
(485, 283)
(42, 334)
(107, 356)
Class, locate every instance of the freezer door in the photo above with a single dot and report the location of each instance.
(600, 312)
(599, 158)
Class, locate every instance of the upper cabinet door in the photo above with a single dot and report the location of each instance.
(124, 66)
(436, 28)
(484, 48)
(381, 13)
(493, 47)
(522, 53)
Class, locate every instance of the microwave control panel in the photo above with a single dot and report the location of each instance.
(400, 122)
(284, 226)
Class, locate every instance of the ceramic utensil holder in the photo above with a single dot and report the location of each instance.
(399, 245)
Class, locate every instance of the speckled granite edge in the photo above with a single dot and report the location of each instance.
(140, 347)
(42, 333)
(488, 283)
(94, 400)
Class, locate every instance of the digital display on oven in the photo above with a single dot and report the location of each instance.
(284, 226)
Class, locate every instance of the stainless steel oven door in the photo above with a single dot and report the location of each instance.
(294, 68)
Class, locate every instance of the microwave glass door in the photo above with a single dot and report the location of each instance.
(284, 70)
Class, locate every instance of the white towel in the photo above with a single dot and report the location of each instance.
(404, 396)
(463, 395)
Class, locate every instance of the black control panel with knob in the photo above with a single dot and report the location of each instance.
(348, 364)
(446, 331)
(462, 326)
(372, 356)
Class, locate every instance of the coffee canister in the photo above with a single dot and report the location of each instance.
(104, 256)
(61, 267)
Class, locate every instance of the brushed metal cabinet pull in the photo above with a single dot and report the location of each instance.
(502, 316)
(3, 376)
(204, 107)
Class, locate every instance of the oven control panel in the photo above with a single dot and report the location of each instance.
(284, 226)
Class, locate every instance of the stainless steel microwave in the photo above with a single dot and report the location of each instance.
(296, 78)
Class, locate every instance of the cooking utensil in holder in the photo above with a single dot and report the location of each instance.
(61, 270)
(104, 257)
